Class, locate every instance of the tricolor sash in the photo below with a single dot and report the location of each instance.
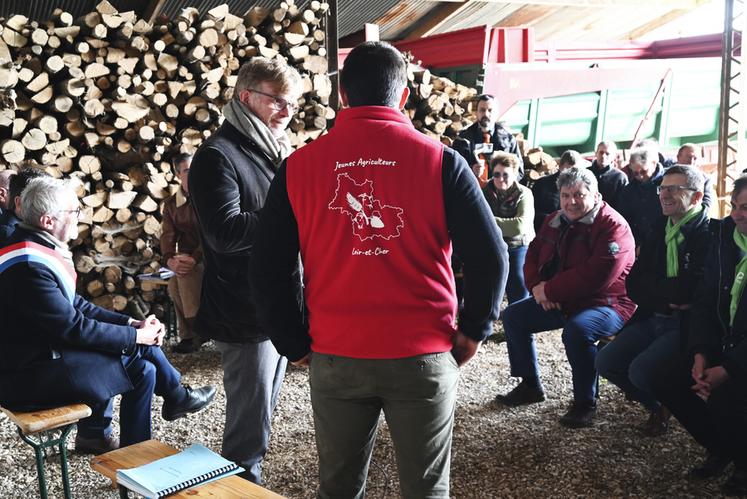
(37, 253)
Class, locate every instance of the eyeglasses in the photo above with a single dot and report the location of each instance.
(77, 212)
(504, 175)
(671, 189)
(278, 103)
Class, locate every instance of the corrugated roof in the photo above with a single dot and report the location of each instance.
(478, 14)
(353, 14)
(403, 17)
(589, 23)
(606, 21)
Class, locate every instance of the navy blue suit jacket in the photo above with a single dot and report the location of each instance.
(55, 352)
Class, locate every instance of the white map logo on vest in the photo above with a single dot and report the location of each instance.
(370, 218)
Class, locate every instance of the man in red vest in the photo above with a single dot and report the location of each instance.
(374, 207)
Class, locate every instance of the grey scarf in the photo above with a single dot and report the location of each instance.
(277, 148)
(59, 246)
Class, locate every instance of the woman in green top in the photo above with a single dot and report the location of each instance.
(513, 207)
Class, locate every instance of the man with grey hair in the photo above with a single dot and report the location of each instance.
(576, 269)
(72, 351)
(638, 201)
(662, 282)
(228, 182)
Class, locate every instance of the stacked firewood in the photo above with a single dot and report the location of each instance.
(437, 106)
(108, 98)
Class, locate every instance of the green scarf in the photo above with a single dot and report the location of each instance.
(674, 238)
(739, 280)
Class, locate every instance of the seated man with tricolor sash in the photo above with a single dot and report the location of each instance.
(59, 349)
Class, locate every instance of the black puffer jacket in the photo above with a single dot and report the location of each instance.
(228, 182)
(546, 198)
(648, 285)
(639, 203)
(710, 332)
(611, 181)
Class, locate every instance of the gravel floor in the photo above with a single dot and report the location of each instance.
(497, 452)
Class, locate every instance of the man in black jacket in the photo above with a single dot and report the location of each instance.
(661, 283)
(611, 180)
(228, 181)
(487, 135)
(709, 394)
(638, 201)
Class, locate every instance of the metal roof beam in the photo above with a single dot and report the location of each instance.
(656, 23)
(436, 18)
(152, 10)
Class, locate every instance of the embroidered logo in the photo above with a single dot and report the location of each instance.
(613, 248)
(370, 218)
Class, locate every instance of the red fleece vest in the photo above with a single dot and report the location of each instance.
(368, 199)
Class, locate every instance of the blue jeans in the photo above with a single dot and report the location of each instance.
(580, 335)
(641, 350)
(149, 371)
(515, 288)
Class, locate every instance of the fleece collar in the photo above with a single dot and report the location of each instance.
(376, 113)
(587, 219)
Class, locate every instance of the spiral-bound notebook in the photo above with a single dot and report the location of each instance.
(193, 466)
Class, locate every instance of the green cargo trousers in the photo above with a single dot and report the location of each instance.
(417, 395)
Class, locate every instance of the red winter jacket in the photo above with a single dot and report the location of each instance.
(595, 257)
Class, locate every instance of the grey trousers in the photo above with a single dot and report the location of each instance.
(252, 375)
(417, 395)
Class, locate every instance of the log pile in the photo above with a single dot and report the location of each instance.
(108, 98)
(437, 106)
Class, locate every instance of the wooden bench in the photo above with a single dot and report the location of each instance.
(150, 450)
(48, 429)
